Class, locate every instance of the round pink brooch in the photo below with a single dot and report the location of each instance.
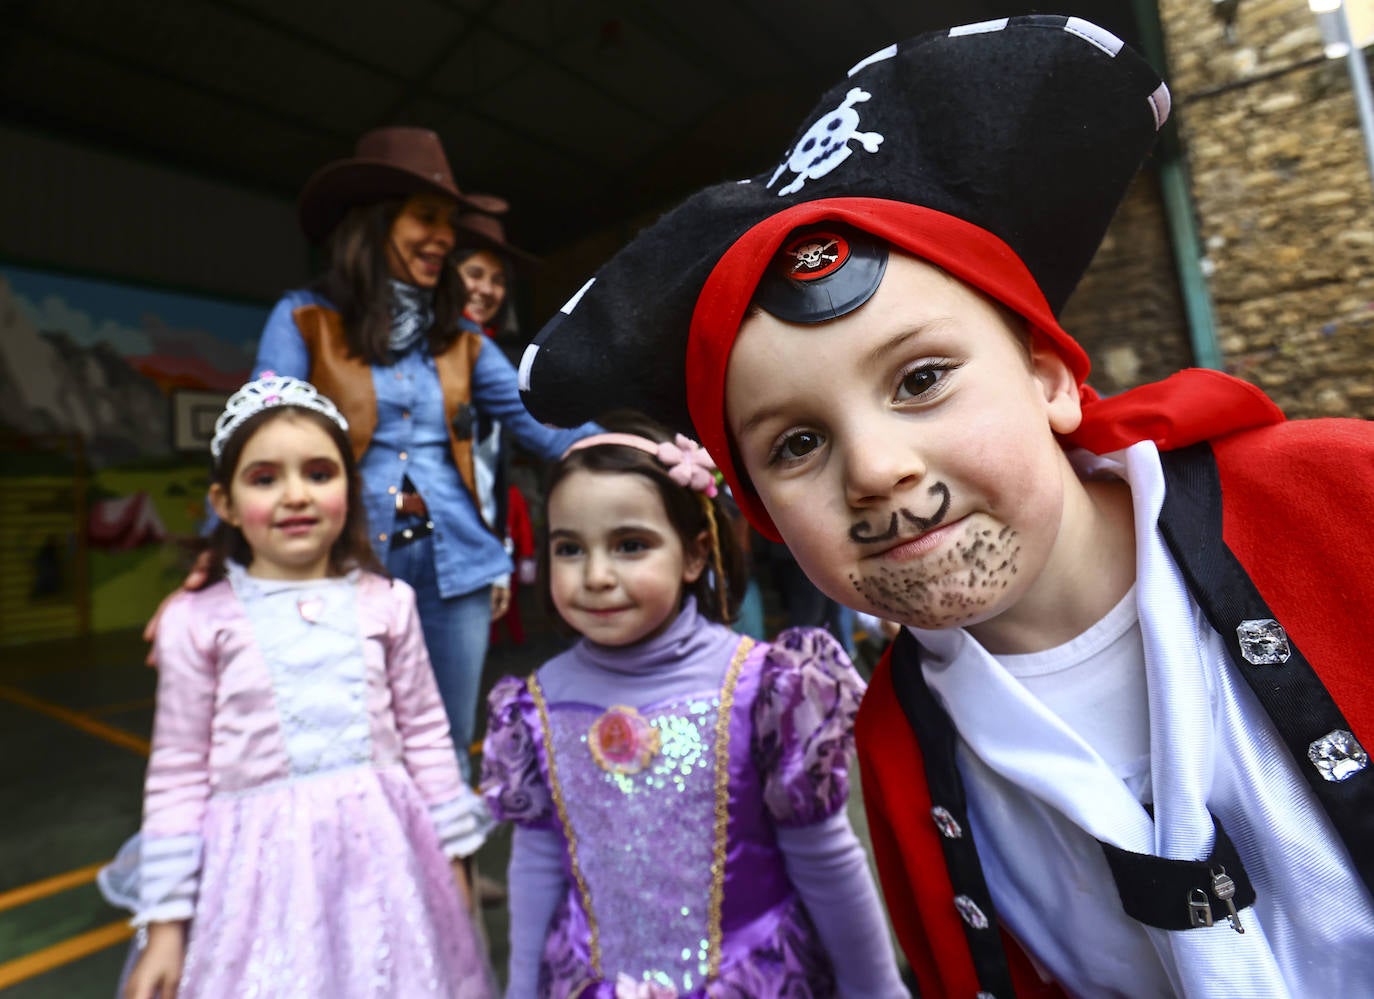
(622, 741)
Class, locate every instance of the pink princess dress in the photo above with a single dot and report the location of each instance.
(680, 821)
(303, 798)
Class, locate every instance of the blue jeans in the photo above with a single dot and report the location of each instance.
(456, 633)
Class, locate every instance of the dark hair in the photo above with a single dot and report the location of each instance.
(357, 282)
(351, 550)
(718, 591)
(505, 316)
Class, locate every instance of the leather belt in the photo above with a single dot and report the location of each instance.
(411, 503)
(406, 535)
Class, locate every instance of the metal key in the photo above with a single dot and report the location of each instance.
(1225, 889)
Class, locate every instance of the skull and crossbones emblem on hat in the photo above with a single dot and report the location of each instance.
(826, 143)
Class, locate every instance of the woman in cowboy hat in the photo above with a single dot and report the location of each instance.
(379, 332)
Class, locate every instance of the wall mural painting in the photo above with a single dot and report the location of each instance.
(108, 393)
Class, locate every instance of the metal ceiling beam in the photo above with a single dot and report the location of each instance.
(770, 30)
(100, 137)
(422, 84)
(412, 90)
(90, 51)
(270, 112)
(303, 38)
(649, 18)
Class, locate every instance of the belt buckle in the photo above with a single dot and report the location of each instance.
(403, 537)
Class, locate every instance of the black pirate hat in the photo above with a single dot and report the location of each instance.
(998, 151)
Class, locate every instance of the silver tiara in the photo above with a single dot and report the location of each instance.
(264, 392)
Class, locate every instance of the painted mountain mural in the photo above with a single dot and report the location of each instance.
(100, 360)
(91, 546)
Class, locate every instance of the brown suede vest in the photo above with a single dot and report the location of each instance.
(347, 381)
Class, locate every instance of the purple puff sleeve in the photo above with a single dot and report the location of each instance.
(514, 781)
(803, 718)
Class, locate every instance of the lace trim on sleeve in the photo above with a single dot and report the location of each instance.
(154, 877)
(462, 823)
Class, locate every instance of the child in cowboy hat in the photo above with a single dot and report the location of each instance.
(1118, 748)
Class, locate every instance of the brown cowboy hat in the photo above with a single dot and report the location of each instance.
(482, 230)
(392, 162)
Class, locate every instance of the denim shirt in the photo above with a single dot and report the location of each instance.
(411, 441)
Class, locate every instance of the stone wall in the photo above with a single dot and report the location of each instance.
(1284, 199)
(1128, 309)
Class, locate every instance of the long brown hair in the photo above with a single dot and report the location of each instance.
(719, 591)
(357, 282)
(352, 549)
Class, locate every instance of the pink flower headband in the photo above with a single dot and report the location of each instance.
(687, 462)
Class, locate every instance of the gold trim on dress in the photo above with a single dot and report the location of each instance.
(556, 789)
(722, 749)
(721, 810)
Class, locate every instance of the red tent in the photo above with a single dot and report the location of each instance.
(125, 522)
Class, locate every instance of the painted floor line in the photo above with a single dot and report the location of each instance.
(65, 952)
(25, 894)
(76, 719)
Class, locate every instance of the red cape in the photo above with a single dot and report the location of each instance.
(1298, 502)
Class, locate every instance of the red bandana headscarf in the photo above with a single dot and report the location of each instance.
(1191, 406)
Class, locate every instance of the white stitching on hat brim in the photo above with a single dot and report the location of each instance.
(1161, 102)
(571, 303)
(980, 28)
(526, 363)
(878, 56)
(1094, 35)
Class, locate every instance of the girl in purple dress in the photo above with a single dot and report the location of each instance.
(304, 821)
(678, 789)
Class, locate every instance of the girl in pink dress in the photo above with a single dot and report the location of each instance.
(304, 820)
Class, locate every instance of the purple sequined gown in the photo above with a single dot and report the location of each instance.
(676, 884)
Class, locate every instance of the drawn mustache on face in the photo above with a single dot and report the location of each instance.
(862, 533)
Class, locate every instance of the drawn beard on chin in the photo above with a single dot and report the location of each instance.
(952, 589)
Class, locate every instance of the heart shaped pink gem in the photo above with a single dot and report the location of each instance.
(310, 608)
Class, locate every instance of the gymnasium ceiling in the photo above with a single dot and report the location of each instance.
(584, 113)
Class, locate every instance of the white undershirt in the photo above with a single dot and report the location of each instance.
(1039, 773)
(1095, 683)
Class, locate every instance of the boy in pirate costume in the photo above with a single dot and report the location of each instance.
(1118, 748)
